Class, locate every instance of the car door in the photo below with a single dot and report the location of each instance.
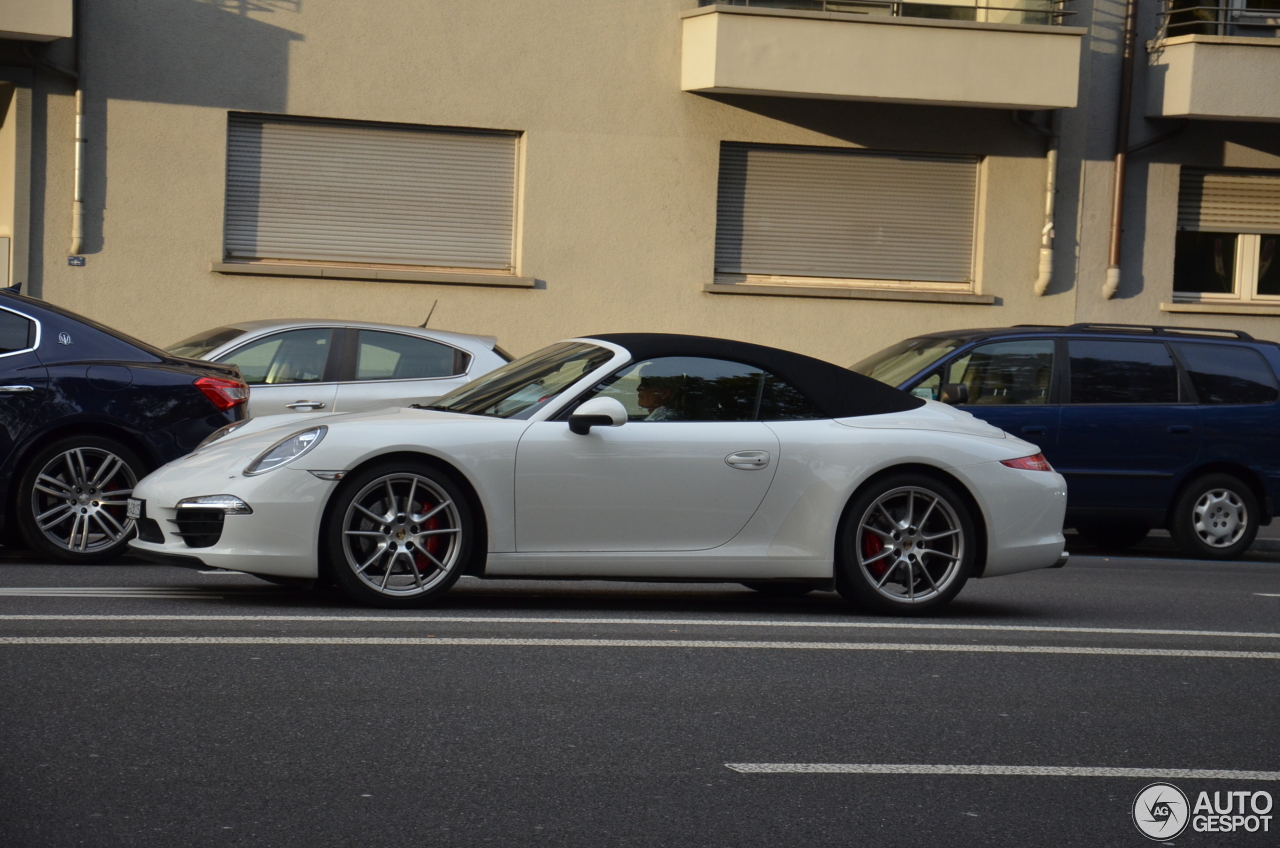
(398, 369)
(686, 472)
(1011, 385)
(24, 380)
(1129, 428)
(289, 371)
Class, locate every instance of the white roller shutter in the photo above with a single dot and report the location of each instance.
(846, 214)
(366, 193)
(1229, 202)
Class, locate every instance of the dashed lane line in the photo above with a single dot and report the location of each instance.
(664, 622)
(634, 643)
(1016, 771)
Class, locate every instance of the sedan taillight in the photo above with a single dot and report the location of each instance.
(1029, 463)
(225, 394)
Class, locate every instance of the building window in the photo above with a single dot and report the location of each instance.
(349, 193)
(1228, 235)
(820, 216)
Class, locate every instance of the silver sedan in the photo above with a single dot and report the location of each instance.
(343, 366)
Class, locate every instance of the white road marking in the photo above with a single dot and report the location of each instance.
(664, 622)
(205, 595)
(1016, 771)
(633, 643)
(1266, 595)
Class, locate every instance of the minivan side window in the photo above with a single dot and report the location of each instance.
(1006, 373)
(1223, 374)
(1104, 371)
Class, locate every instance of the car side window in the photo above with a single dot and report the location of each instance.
(1229, 374)
(1137, 372)
(16, 332)
(685, 388)
(395, 356)
(294, 356)
(1006, 373)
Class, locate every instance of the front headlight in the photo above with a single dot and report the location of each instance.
(286, 450)
(221, 432)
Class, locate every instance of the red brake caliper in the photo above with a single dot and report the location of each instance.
(420, 559)
(871, 545)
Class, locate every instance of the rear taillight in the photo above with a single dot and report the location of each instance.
(1029, 463)
(225, 394)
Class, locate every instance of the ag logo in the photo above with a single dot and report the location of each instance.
(1160, 811)
(64, 338)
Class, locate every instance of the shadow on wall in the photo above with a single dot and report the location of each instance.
(897, 126)
(223, 54)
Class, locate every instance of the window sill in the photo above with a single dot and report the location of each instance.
(338, 272)
(851, 293)
(1222, 308)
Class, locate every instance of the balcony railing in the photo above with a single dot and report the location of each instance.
(1043, 12)
(1239, 18)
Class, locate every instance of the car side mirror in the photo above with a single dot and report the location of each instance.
(597, 412)
(954, 393)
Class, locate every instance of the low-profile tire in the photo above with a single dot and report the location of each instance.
(1215, 517)
(780, 590)
(1112, 535)
(72, 497)
(906, 546)
(398, 535)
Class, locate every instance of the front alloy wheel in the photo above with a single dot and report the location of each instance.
(907, 546)
(74, 499)
(399, 538)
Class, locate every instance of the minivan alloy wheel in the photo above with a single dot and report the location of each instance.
(79, 498)
(1220, 518)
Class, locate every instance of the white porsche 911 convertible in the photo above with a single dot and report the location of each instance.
(621, 457)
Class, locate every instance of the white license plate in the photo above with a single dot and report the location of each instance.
(133, 509)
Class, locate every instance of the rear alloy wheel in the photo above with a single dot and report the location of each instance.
(73, 497)
(399, 537)
(1112, 535)
(907, 546)
(1216, 517)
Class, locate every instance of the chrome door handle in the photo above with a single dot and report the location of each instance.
(304, 404)
(16, 389)
(747, 460)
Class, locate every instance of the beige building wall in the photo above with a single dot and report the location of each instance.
(619, 175)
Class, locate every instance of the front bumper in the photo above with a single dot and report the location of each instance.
(280, 537)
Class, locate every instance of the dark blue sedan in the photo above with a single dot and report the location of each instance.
(1151, 426)
(86, 412)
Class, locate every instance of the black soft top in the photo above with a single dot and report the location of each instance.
(838, 392)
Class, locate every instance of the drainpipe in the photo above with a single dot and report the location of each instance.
(77, 201)
(1045, 277)
(1050, 189)
(1122, 145)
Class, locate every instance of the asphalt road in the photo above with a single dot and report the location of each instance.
(151, 706)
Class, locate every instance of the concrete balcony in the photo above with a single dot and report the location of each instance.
(1215, 77)
(35, 20)
(885, 55)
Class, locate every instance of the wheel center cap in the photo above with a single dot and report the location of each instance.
(400, 535)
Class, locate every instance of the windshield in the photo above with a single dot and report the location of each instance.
(201, 343)
(895, 365)
(519, 389)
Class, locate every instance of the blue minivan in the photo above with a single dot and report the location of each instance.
(1151, 426)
